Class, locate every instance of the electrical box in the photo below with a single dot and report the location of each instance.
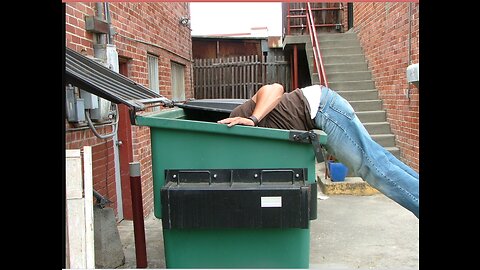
(99, 107)
(90, 100)
(101, 113)
(413, 74)
(75, 106)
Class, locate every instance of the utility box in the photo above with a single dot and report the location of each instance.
(413, 74)
(239, 197)
(75, 107)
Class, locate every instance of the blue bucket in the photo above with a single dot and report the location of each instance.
(338, 171)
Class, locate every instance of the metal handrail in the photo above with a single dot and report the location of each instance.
(316, 50)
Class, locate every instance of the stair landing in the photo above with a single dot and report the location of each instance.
(350, 186)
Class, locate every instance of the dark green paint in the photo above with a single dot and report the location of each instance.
(178, 143)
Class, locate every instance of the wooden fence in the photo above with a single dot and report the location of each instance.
(238, 77)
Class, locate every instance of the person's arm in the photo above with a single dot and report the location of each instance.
(266, 98)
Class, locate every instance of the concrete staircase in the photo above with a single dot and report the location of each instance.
(348, 74)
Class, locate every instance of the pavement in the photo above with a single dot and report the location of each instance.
(350, 232)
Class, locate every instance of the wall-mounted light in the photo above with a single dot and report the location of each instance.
(185, 21)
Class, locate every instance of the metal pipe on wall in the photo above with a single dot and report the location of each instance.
(409, 60)
(101, 38)
(109, 21)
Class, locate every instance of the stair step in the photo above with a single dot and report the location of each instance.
(339, 43)
(366, 105)
(358, 94)
(315, 79)
(394, 150)
(340, 50)
(377, 128)
(351, 85)
(343, 59)
(350, 186)
(372, 116)
(296, 39)
(385, 140)
(336, 36)
(349, 76)
(346, 67)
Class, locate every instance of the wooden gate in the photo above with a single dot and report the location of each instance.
(238, 77)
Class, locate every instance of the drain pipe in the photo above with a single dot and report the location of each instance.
(409, 60)
(101, 38)
(108, 18)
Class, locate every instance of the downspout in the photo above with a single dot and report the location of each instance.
(108, 18)
(409, 60)
(101, 38)
(101, 51)
(409, 33)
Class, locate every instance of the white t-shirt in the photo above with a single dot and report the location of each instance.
(312, 94)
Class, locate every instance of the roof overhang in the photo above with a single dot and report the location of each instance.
(97, 79)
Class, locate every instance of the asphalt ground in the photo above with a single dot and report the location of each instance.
(350, 232)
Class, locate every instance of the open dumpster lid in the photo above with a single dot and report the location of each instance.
(214, 105)
(97, 79)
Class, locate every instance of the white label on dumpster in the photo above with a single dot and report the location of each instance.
(272, 201)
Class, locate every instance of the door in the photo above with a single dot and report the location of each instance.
(125, 148)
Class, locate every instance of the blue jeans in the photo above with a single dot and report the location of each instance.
(350, 143)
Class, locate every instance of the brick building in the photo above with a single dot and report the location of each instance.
(154, 50)
(389, 34)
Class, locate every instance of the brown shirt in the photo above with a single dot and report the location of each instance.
(292, 112)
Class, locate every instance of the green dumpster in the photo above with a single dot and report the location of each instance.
(239, 197)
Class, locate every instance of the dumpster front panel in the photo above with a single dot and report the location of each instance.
(237, 248)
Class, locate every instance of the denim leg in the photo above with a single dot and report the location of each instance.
(350, 142)
(402, 165)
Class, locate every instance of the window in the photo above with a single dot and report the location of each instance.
(153, 75)
(178, 81)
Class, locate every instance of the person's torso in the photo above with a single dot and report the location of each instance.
(292, 112)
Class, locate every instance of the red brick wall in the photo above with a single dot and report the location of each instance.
(104, 171)
(103, 168)
(142, 28)
(384, 32)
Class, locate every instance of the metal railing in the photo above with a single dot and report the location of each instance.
(318, 62)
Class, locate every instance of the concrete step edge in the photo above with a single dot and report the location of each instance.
(392, 148)
(364, 81)
(343, 47)
(382, 135)
(350, 72)
(376, 111)
(375, 123)
(366, 90)
(345, 64)
(345, 55)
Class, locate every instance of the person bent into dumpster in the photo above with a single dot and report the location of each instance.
(322, 108)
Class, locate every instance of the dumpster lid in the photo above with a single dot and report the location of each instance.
(97, 79)
(215, 105)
